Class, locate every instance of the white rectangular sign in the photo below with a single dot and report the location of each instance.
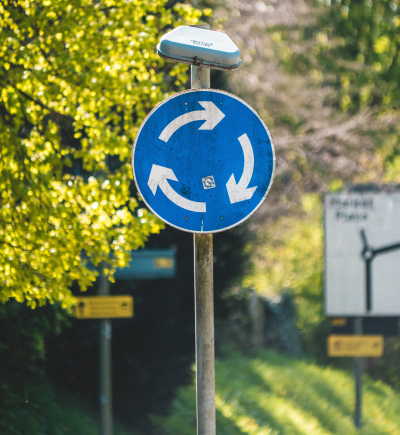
(362, 254)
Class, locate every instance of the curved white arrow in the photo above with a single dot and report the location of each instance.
(239, 192)
(212, 115)
(159, 176)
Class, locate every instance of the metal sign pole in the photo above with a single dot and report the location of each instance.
(177, 134)
(204, 309)
(205, 354)
(358, 369)
(105, 364)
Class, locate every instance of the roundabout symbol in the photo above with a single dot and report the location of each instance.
(203, 160)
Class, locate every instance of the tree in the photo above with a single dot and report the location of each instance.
(76, 80)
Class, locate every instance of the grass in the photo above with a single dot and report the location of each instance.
(75, 418)
(276, 395)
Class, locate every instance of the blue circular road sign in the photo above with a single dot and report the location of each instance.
(203, 160)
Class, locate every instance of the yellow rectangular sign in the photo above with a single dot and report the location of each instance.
(355, 345)
(163, 263)
(339, 321)
(103, 307)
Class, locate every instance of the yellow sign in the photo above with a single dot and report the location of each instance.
(163, 263)
(339, 321)
(103, 307)
(355, 345)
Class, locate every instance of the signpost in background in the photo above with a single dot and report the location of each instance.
(203, 162)
(106, 421)
(103, 307)
(362, 253)
(362, 240)
(149, 264)
(356, 346)
(144, 264)
(386, 326)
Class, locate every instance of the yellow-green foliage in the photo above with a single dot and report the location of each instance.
(276, 395)
(76, 80)
(290, 256)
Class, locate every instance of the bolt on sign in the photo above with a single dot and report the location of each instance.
(355, 345)
(103, 307)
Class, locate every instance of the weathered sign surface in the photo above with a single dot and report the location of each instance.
(203, 160)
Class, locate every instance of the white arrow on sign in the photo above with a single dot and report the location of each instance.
(239, 192)
(212, 115)
(159, 176)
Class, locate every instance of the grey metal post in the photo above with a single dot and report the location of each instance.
(205, 353)
(105, 364)
(204, 309)
(358, 371)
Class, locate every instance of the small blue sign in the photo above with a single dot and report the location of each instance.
(149, 264)
(203, 160)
